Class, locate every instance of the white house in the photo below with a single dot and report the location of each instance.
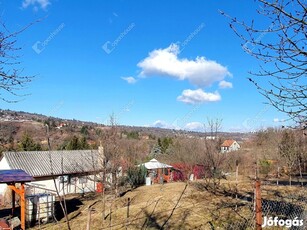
(229, 146)
(72, 171)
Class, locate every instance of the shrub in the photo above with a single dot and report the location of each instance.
(265, 167)
(136, 176)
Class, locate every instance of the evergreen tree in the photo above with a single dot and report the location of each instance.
(136, 176)
(84, 130)
(164, 144)
(76, 144)
(28, 144)
(84, 144)
(73, 144)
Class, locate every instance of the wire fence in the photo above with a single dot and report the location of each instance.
(287, 210)
(200, 205)
(281, 207)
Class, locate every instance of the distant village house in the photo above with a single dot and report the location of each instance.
(229, 146)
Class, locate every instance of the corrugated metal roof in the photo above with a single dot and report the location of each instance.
(154, 164)
(14, 175)
(46, 163)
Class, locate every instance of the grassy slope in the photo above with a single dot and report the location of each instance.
(152, 206)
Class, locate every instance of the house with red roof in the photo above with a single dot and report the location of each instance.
(229, 146)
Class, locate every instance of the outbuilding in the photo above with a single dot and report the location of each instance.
(158, 172)
(73, 171)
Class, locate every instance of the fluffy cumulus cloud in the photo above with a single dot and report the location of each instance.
(198, 96)
(43, 4)
(200, 72)
(194, 126)
(225, 84)
(130, 80)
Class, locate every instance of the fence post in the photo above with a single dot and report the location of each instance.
(111, 216)
(237, 174)
(277, 182)
(103, 205)
(89, 213)
(128, 205)
(258, 206)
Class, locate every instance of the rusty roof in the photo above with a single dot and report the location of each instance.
(227, 143)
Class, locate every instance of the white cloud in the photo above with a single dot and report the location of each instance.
(191, 126)
(194, 126)
(197, 96)
(277, 120)
(165, 62)
(42, 3)
(130, 80)
(162, 124)
(225, 84)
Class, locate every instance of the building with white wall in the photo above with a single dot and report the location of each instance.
(229, 146)
(74, 171)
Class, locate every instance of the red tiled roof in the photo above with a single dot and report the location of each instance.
(227, 143)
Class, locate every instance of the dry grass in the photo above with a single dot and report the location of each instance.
(152, 207)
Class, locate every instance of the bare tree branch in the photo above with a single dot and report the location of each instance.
(281, 50)
(11, 78)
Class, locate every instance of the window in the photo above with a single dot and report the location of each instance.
(82, 180)
(72, 180)
(63, 179)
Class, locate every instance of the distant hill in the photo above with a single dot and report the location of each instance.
(13, 124)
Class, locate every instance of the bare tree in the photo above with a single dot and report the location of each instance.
(112, 153)
(288, 151)
(301, 143)
(188, 152)
(62, 199)
(213, 158)
(266, 151)
(213, 126)
(11, 78)
(281, 48)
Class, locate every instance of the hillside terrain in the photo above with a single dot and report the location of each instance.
(14, 124)
(217, 200)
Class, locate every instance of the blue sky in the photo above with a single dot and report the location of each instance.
(152, 63)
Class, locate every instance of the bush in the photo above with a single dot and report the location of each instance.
(136, 176)
(265, 167)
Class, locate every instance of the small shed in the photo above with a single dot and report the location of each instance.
(157, 171)
(11, 177)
